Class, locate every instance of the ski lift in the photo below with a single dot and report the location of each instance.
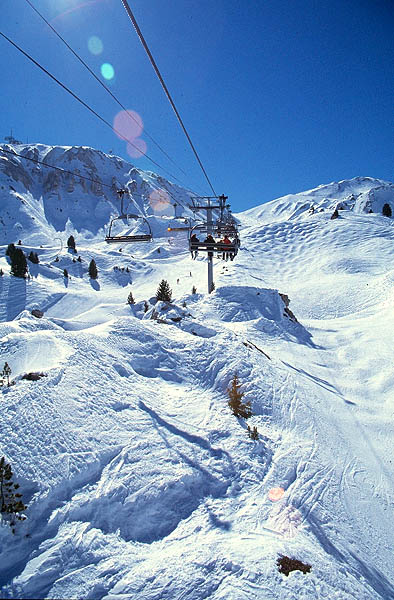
(125, 239)
(200, 242)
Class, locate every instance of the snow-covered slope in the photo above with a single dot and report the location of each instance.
(139, 481)
(361, 195)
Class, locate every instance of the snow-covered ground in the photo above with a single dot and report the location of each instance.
(139, 481)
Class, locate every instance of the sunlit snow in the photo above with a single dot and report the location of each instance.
(139, 481)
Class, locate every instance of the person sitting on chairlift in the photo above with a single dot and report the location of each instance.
(209, 240)
(226, 254)
(194, 240)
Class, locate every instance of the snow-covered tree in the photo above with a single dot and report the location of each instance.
(71, 243)
(164, 292)
(93, 273)
(6, 372)
(130, 299)
(18, 263)
(33, 257)
(11, 505)
(239, 408)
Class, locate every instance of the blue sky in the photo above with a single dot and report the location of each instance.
(278, 95)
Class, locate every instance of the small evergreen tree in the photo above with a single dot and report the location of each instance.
(10, 250)
(18, 263)
(6, 372)
(164, 292)
(71, 243)
(130, 299)
(194, 290)
(79, 259)
(93, 273)
(386, 210)
(11, 504)
(33, 257)
(253, 433)
(65, 273)
(239, 408)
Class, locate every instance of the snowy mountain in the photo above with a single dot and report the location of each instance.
(139, 481)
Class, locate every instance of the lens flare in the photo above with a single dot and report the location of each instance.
(137, 149)
(276, 494)
(95, 45)
(107, 71)
(285, 521)
(128, 125)
(159, 201)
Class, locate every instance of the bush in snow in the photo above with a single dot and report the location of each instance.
(11, 505)
(239, 408)
(386, 210)
(93, 273)
(164, 292)
(253, 433)
(18, 263)
(287, 564)
(33, 257)
(71, 243)
(130, 299)
(6, 372)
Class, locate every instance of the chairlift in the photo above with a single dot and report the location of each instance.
(125, 239)
(199, 243)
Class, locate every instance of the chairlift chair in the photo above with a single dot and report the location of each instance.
(125, 239)
(224, 229)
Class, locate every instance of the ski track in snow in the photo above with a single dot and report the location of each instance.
(139, 481)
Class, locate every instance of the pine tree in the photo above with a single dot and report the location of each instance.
(253, 433)
(11, 505)
(386, 210)
(164, 292)
(6, 372)
(65, 273)
(18, 263)
(79, 259)
(71, 243)
(33, 257)
(130, 299)
(194, 290)
(239, 408)
(93, 273)
(10, 250)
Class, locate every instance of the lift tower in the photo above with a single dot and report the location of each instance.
(213, 228)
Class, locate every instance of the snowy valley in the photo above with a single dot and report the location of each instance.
(139, 481)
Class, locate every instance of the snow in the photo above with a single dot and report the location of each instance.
(139, 481)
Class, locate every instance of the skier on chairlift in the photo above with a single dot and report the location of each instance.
(194, 240)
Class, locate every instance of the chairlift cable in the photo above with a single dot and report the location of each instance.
(85, 104)
(154, 65)
(103, 85)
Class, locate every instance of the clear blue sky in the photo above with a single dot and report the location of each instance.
(278, 95)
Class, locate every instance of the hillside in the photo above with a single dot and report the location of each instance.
(139, 481)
